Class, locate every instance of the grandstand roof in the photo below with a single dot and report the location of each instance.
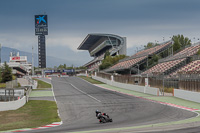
(91, 39)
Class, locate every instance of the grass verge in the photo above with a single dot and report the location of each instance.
(33, 114)
(89, 79)
(42, 84)
(2, 85)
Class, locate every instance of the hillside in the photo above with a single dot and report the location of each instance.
(51, 61)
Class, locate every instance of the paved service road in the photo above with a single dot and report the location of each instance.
(77, 101)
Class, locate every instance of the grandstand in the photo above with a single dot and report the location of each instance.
(20, 66)
(191, 68)
(98, 44)
(132, 63)
(165, 67)
(177, 63)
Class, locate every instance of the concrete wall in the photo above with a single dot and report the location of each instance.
(187, 95)
(35, 83)
(12, 105)
(143, 89)
(11, 84)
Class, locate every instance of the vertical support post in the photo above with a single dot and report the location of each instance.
(110, 41)
(112, 79)
(5, 95)
(13, 95)
(86, 73)
(9, 94)
(163, 84)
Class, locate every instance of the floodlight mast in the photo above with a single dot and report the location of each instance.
(32, 63)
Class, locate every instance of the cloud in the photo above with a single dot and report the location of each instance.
(22, 42)
(65, 40)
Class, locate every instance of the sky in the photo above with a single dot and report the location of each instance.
(70, 21)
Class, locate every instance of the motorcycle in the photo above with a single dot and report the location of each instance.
(103, 119)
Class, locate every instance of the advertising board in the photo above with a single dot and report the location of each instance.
(41, 25)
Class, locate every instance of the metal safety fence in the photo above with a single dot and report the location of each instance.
(189, 82)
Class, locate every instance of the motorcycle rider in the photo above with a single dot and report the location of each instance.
(98, 114)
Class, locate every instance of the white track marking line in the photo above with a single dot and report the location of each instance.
(79, 90)
(55, 100)
(84, 93)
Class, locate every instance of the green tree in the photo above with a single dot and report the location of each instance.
(149, 45)
(110, 60)
(107, 53)
(72, 67)
(176, 45)
(6, 73)
(0, 74)
(198, 53)
(105, 65)
(65, 66)
(81, 67)
(180, 42)
(154, 60)
(60, 66)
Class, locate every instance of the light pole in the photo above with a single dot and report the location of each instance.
(32, 63)
(138, 68)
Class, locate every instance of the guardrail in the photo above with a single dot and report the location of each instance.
(12, 99)
(143, 89)
(183, 94)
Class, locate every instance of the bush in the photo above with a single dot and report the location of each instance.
(169, 90)
(198, 53)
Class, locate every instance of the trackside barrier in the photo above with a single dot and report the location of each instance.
(31, 82)
(187, 95)
(35, 83)
(143, 89)
(12, 105)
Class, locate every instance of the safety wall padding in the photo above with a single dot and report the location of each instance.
(187, 95)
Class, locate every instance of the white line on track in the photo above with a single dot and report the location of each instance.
(79, 90)
(84, 92)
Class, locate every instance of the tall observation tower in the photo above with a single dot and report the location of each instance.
(41, 29)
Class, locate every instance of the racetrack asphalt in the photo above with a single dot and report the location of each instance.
(77, 101)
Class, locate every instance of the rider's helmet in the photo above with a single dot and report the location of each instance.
(97, 111)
